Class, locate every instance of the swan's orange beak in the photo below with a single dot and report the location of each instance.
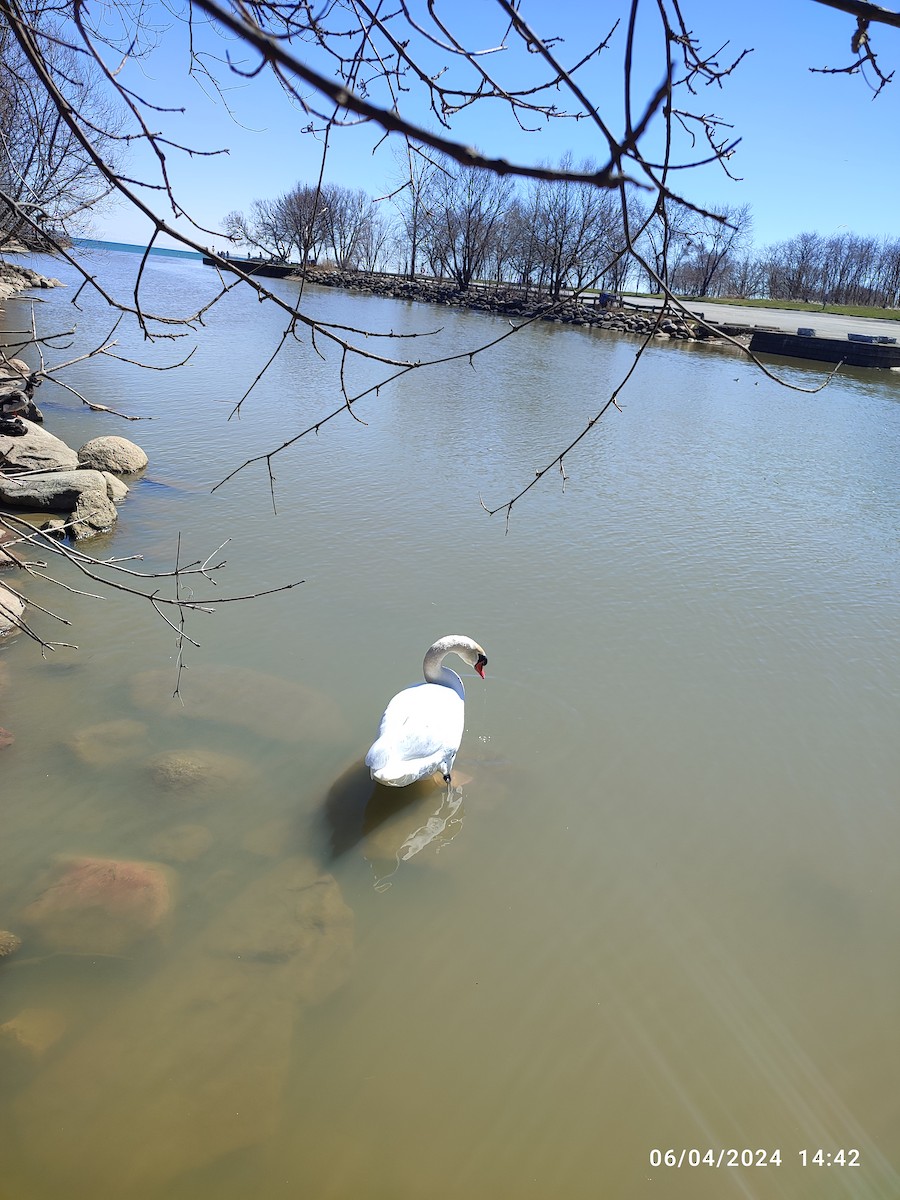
(481, 664)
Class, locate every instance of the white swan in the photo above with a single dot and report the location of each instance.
(423, 725)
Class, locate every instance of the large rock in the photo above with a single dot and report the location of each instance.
(8, 558)
(31, 1033)
(271, 707)
(9, 943)
(109, 742)
(182, 843)
(115, 454)
(83, 494)
(14, 368)
(197, 1056)
(15, 278)
(11, 610)
(100, 905)
(94, 511)
(196, 774)
(115, 488)
(36, 450)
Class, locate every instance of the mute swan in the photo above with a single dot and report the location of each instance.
(423, 725)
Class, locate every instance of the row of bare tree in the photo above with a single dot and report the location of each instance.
(451, 221)
(467, 224)
(707, 258)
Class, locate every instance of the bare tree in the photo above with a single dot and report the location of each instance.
(795, 268)
(522, 234)
(576, 226)
(467, 208)
(746, 276)
(374, 244)
(267, 230)
(47, 178)
(416, 172)
(407, 74)
(665, 242)
(347, 214)
(712, 244)
(888, 273)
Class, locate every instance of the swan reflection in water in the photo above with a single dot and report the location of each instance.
(392, 825)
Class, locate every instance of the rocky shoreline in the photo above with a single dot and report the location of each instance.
(15, 278)
(512, 302)
(40, 473)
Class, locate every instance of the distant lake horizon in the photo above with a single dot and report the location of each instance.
(133, 248)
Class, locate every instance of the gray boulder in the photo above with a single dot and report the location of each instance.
(14, 368)
(83, 494)
(115, 488)
(36, 450)
(8, 557)
(11, 609)
(114, 454)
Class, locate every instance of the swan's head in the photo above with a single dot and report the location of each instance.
(468, 650)
(473, 654)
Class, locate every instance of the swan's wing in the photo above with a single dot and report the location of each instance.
(422, 723)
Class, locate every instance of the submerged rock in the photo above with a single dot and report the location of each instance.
(199, 773)
(198, 1056)
(109, 742)
(294, 917)
(115, 454)
(9, 943)
(268, 706)
(272, 839)
(32, 1032)
(182, 843)
(101, 905)
(6, 738)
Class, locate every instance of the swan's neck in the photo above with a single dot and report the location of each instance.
(450, 679)
(436, 672)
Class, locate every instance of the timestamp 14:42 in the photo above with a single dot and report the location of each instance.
(829, 1158)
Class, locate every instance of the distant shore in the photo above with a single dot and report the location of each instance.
(15, 278)
(593, 310)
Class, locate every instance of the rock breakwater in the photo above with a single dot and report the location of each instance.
(589, 309)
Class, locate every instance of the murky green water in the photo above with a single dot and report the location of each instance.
(660, 912)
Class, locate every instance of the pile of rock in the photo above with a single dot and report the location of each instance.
(511, 302)
(39, 472)
(14, 278)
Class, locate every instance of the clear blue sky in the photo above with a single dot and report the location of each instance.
(817, 152)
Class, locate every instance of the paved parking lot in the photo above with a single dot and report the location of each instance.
(825, 324)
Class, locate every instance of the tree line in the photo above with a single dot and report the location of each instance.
(466, 224)
(79, 92)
